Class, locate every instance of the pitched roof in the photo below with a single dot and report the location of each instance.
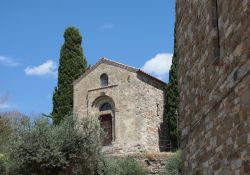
(114, 63)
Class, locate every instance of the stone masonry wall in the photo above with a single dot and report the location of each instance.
(153, 162)
(213, 48)
(136, 118)
(150, 104)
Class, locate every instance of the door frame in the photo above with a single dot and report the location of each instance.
(112, 127)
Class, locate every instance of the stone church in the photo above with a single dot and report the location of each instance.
(128, 102)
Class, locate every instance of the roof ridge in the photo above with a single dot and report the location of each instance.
(107, 59)
(121, 65)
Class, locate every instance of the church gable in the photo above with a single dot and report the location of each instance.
(107, 62)
(104, 74)
(140, 74)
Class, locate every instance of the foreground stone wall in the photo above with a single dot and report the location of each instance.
(213, 48)
(154, 162)
(137, 103)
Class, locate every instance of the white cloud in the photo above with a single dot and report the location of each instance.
(47, 68)
(6, 61)
(159, 65)
(107, 26)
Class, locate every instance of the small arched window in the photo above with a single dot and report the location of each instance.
(105, 107)
(104, 80)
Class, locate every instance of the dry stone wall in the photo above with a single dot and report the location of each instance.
(213, 48)
(153, 162)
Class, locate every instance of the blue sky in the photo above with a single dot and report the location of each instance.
(134, 32)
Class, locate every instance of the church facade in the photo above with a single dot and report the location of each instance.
(128, 102)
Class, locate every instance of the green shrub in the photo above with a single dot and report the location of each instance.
(72, 147)
(38, 147)
(2, 165)
(173, 165)
(122, 166)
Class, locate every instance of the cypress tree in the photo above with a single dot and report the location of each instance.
(72, 65)
(172, 100)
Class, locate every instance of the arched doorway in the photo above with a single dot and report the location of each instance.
(105, 111)
(106, 125)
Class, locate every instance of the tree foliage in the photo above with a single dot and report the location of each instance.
(72, 64)
(41, 148)
(5, 129)
(172, 100)
(71, 147)
(7, 120)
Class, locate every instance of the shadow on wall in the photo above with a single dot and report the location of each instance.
(164, 140)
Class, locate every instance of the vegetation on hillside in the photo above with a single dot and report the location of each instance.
(7, 121)
(172, 101)
(122, 166)
(5, 129)
(173, 165)
(40, 148)
(72, 64)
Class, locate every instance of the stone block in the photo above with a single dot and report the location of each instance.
(214, 85)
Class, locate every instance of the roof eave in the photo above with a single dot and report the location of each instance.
(152, 77)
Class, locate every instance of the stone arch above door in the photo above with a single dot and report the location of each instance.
(104, 106)
(101, 100)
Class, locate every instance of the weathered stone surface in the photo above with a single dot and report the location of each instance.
(154, 162)
(137, 105)
(213, 48)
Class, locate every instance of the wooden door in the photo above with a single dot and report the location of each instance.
(106, 125)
